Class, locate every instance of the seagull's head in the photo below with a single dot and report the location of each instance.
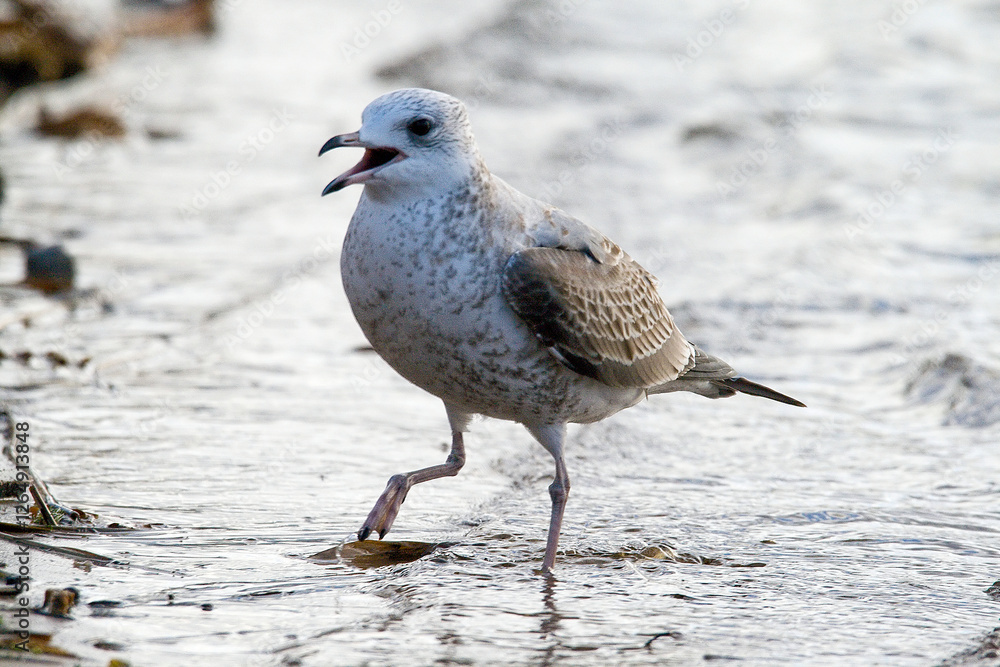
(416, 141)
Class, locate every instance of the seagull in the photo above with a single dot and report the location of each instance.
(498, 304)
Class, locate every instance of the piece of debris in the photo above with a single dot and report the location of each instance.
(12, 488)
(714, 131)
(194, 16)
(49, 269)
(83, 122)
(994, 590)
(43, 508)
(378, 553)
(37, 44)
(37, 644)
(56, 359)
(59, 601)
(161, 134)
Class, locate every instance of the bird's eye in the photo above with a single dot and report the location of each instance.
(420, 127)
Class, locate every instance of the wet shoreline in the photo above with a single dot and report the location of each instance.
(208, 393)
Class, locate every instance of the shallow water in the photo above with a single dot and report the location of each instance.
(223, 401)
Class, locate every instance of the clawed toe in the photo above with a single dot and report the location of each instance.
(386, 508)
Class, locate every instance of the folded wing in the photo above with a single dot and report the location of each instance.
(604, 320)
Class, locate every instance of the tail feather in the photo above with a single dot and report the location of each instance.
(711, 377)
(746, 386)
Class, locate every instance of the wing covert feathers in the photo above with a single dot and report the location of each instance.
(603, 320)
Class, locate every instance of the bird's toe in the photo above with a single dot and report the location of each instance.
(384, 512)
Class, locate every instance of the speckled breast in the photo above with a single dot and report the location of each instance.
(427, 296)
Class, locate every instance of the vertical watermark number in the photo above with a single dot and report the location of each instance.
(22, 458)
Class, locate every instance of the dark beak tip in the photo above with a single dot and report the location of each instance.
(334, 142)
(332, 186)
(329, 145)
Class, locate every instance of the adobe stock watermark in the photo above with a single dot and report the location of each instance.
(661, 258)
(563, 11)
(83, 149)
(159, 408)
(582, 158)
(99, 298)
(363, 35)
(370, 372)
(154, 76)
(325, 250)
(226, 6)
(928, 328)
(913, 169)
(902, 12)
(149, 413)
(486, 86)
(20, 454)
(249, 149)
(756, 158)
(146, 427)
(704, 39)
(759, 326)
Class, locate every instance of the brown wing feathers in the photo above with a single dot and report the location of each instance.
(605, 321)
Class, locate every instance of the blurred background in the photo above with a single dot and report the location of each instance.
(816, 186)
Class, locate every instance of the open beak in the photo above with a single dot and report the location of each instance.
(375, 158)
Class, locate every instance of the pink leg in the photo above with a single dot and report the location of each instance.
(387, 507)
(551, 437)
(559, 492)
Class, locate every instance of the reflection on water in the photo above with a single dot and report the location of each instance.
(213, 390)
